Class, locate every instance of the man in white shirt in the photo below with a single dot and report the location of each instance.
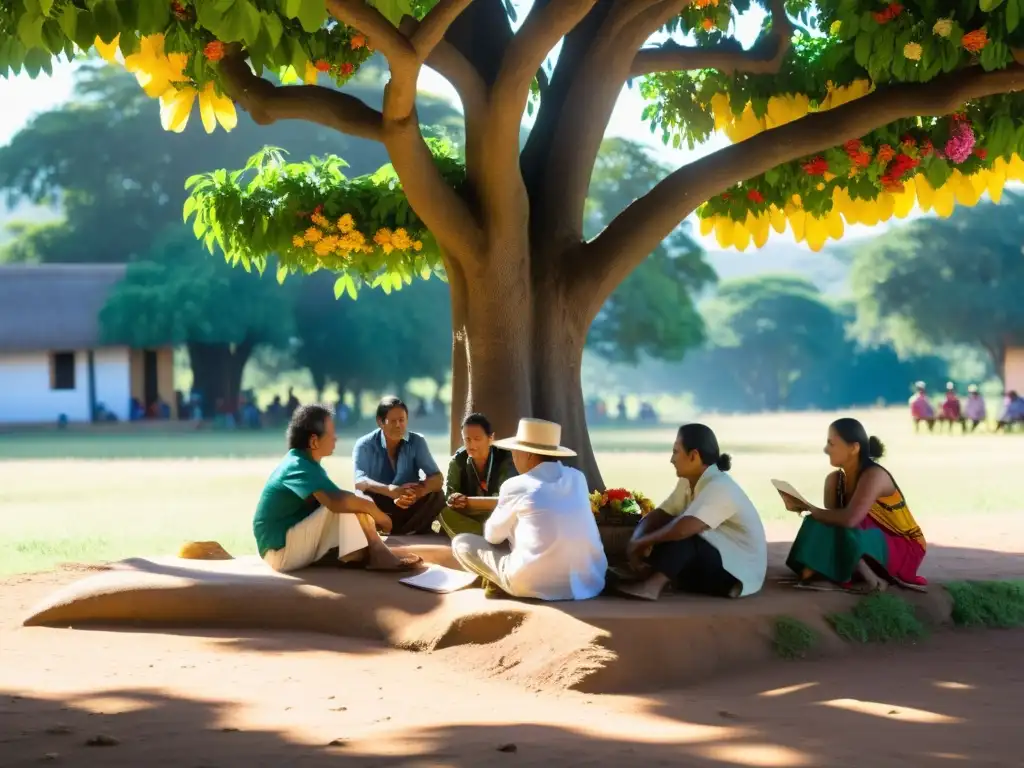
(541, 541)
(706, 537)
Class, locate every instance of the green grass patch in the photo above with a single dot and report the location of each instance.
(991, 604)
(882, 618)
(792, 639)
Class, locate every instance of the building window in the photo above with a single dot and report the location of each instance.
(62, 370)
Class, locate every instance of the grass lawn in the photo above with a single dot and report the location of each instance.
(82, 496)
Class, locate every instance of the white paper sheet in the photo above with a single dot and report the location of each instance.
(783, 487)
(439, 579)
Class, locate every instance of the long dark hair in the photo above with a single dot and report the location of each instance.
(700, 438)
(852, 432)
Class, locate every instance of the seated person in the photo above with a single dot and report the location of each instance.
(921, 408)
(541, 541)
(952, 411)
(974, 409)
(302, 517)
(388, 463)
(1013, 411)
(475, 475)
(707, 536)
(865, 528)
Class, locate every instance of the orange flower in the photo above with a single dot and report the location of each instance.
(708, 24)
(358, 42)
(214, 51)
(322, 66)
(886, 153)
(347, 69)
(975, 41)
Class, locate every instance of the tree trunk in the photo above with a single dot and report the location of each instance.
(521, 355)
(217, 372)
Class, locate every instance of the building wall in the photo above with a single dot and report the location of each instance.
(1014, 369)
(164, 376)
(26, 396)
(112, 380)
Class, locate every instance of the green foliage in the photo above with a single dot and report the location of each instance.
(792, 639)
(177, 295)
(881, 618)
(955, 281)
(991, 604)
(652, 313)
(291, 209)
(771, 331)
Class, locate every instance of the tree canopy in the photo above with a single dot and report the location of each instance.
(958, 281)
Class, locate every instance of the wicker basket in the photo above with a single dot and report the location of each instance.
(616, 529)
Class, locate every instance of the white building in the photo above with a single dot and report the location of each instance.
(52, 361)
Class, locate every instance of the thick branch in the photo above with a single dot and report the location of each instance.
(267, 103)
(383, 35)
(642, 225)
(434, 25)
(764, 58)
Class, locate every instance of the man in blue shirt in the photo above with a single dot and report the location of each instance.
(389, 463)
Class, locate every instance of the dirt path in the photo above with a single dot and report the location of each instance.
(214, 699)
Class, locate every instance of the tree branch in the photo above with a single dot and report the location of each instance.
(764, 58)
(642, 225)
(384, 36)
(432, 28)
(267, 103)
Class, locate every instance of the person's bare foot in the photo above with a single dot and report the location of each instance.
(648, 589)
(383, 559)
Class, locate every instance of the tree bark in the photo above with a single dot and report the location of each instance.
(217, 372)
(460, 353)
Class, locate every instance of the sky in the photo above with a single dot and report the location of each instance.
(22, 98)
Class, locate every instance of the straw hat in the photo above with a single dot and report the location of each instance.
(536, 436)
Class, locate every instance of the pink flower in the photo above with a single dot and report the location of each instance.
(961, 142)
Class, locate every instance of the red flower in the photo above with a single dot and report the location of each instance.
(754, 196)
(319, 210)
(852, 147)
(981, 154)
(617, 494)
(816, 167)
(357, 42)
(322, 66)
(886, 153)
(347, 69)
(214, 51)
(908, 141)
(927, 148)
(892, 10)
(861, 159)
(179, 10)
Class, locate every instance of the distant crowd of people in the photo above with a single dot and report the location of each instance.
(597, 411)
(969, 414)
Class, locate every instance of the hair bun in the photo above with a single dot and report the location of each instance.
(876, 449)
(724, 462)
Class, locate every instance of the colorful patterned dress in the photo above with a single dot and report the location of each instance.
(888, 535)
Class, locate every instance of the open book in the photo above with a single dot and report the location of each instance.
(783, 487)
(439, 579)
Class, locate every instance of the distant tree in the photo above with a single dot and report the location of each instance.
(953, 281)
(652, 312)
(118, 177)
(179, 295)
(769, 332)
(375, 342)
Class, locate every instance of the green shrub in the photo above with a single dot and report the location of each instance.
(792, 639)
(882, 618)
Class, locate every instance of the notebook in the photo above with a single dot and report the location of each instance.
(439, 579)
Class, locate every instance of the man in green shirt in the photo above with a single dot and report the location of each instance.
(302, 517)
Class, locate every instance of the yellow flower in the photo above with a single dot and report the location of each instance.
(417, 246)
(320, 220)
(836, 26)
(175, 106)
(313, 235)
(108, 50)
(216, 108)
(155, 70)
(383, 239)
(326, 246)
(310, 74)
(913, 51)
(943, 27)
(401, 240)
(298, 241)
(346, 223)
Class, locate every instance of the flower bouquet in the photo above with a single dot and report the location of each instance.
(618, 512)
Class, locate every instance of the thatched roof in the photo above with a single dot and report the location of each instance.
(53, 306)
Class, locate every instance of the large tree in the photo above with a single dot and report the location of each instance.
(861, 99)
(958, 281)
(178, 295)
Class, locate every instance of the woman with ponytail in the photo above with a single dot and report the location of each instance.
(865, 528)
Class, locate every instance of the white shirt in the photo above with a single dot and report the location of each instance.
(734, 527)
(545, 516)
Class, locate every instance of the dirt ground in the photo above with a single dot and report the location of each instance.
(216, 698)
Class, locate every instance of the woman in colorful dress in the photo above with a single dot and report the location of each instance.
(865, 529)
(475, 475)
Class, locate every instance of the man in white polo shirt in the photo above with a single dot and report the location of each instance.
(706, 537)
